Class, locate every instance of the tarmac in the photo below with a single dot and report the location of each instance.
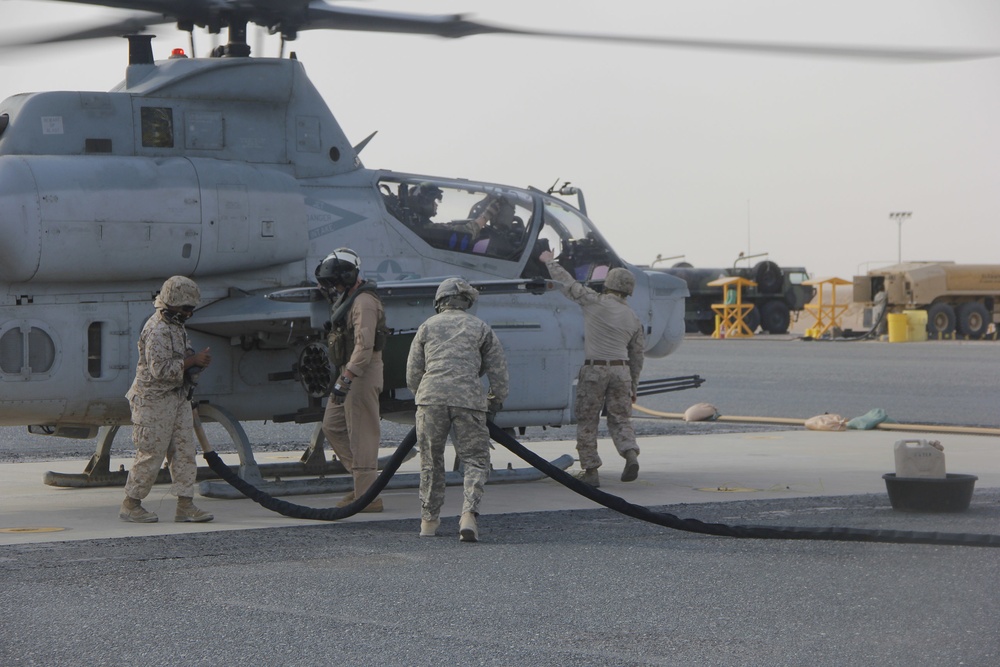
(555, 579)
(675, 469)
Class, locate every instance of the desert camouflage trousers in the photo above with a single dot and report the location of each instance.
(162, 428)
(472, 444)
(597, 387)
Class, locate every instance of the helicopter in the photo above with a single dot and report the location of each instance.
(234, 171)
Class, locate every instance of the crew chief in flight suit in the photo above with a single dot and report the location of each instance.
(450, 352)
(351, 423)
(163, 425)
(614, 345)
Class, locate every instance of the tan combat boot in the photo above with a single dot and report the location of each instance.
(589, 476)
(346, 500)
(133, 511)
(468, 531)
(631, 466)
(362, 481)
(429, 528)
(188, 513)
(374, 506)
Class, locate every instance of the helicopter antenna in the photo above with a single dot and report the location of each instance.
(553, 187)
(364, 142)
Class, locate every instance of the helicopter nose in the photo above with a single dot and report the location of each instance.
(20, 221)
(666, 309)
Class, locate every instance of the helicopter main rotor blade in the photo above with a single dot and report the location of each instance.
(454, 26)
(289, 17)
(126, 26)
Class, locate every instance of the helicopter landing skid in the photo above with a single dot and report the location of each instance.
(321, 485)
(97, 473)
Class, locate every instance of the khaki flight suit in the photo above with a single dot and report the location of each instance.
(353, 429)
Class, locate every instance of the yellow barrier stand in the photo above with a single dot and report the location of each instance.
(827, 314)
(729, 315)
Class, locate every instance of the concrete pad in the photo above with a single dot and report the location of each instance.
(673, 470)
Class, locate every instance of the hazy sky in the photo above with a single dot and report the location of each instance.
(679, 152)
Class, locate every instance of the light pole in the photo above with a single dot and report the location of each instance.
(899, 216)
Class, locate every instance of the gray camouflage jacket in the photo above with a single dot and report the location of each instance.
(449, 354)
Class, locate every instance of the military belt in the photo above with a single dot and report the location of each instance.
(603, 362)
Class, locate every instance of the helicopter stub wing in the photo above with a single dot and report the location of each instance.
(425, 287)
(241, 314)
(289, 311)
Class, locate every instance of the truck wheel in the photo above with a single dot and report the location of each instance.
(775, 317)
(768, 276)
(940, 320)
(752, 319)
(973, 319)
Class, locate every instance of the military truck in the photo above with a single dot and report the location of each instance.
(961, 298)
(778, 294)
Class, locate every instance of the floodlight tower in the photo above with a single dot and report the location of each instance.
(899, 217)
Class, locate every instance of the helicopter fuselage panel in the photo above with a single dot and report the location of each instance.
(234, 172)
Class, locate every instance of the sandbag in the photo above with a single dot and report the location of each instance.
(869, 420)
(826, 422)
(701, 412)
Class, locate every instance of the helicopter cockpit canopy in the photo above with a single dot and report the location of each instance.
(474, 218)
(499, 223)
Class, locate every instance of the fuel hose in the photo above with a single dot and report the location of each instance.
(600, 497)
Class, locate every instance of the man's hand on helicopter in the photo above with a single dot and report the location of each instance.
(545, 256)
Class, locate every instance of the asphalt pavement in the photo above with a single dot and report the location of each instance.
(554, 580)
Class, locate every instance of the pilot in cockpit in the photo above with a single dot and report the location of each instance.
(422, 202)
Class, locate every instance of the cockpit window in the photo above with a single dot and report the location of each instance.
(481, 220)
(576, 244)
(157, 127)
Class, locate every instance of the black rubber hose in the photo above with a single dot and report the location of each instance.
(319, 513)
(606, 499)
(761, 532)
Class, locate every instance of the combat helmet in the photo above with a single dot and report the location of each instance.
(455, 293)
(620, 280)
(341, 267)
(422, 198)
(179, 292)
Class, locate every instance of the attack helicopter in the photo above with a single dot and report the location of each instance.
(234, 171)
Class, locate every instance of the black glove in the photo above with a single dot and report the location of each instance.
(493, 406)
(339, 392)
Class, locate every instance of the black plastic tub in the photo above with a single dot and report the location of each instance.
(951, 493)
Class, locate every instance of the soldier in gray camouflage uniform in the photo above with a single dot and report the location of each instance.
(163, 425)
(449, 354)
(614, 346)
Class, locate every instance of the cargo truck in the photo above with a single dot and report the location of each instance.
(962, 298)
(778, 295)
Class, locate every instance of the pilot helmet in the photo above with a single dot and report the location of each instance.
(179, 292)
(423, 198)
(341, 267)
(455, 293)
(620, 280)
